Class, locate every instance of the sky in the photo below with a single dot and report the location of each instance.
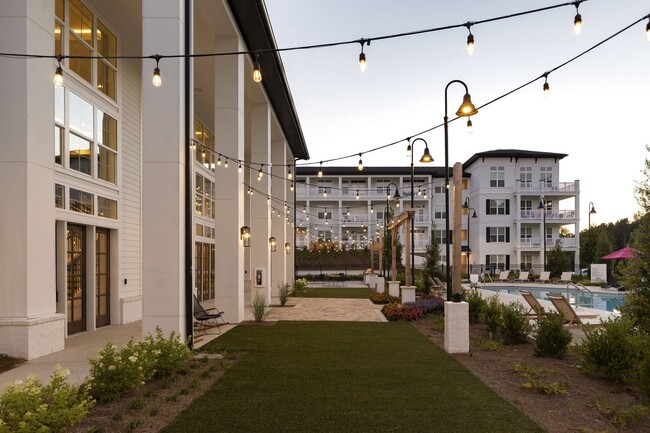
(597, 111)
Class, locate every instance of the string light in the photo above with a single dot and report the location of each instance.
(362, 56)
(203, 154)
(357, 195)
(291, 186)
(156, 80)
(546, 88)
(239, 168)
(58, 74)
(225, 165)
(320, 170)
(257, 72)
(360, 163)
(647, 30)
(470, 39)
(289, 174)
(408, 148)
(470, 128)
(219, 161)
(577, 21)
(260, 173)
(372, 209)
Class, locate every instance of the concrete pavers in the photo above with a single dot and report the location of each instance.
(327, 309)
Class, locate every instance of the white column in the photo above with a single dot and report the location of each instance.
(260, 139)
(289, 260)
(29, 325)
(279, 225)
(163, 167)
(229, 194)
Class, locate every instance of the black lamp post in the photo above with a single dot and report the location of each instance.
(591, 210)
(542, 207)
(396, 196)
(466, 109)
(426, 158)
(467, 208)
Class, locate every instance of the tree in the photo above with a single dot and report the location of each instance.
(557, 261)
(431, 261)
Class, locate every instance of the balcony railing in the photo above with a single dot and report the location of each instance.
(536, 187)
(550, 242)
(550, 215)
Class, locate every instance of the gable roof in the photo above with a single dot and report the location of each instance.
(513, 153)
(373, 171)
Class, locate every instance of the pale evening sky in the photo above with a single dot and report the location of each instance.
(597, 112)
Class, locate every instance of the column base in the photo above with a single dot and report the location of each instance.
(456, 327)
(393, 288)
(32, 338)
(408, 294)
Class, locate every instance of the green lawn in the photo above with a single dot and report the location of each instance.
(336, 292)
(312, 377)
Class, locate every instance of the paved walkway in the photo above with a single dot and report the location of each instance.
(80, 348)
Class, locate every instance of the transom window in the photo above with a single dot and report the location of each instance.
(497, 177)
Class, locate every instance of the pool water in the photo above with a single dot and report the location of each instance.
(601, 301)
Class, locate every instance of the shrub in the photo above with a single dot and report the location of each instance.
(490, 314)
(644, 374)
(299, 285)
(283, 292)
(397, 311)
(551, 338)
(612, 351)
(476, 303)
(621, 415)
(34, 407)
(513, 325)
(429, 305)
(383, 298)
(258, 307)
(168, 355)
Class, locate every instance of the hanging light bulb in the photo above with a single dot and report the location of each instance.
(239, 168)
(219, 160)
(408, 148)
(360, 163)
(225, 165)
(320, 170)
(291, 186)
(348, 211)
(470, 128)
(304, 209)
(203, 154)
(362, 57)
(289, 174)
(156, 80)
(357, 195)
(546, 88)
(260, 173)
(577, 21)
(58, 74)
(470, 43)
(419, 191)
(257, 72)
(251, 190)
(372, 209)
(647, 30)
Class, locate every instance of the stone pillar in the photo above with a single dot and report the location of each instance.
(457, 201)
(393, 288)
(407, 248)
(456, 327)
(380, 284)
(229, 193)
(408, 294)
(163, 168)
(260, 220)
(29, 324)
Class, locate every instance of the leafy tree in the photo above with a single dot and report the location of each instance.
(565, 233)
(603, 246)
(557, 261)
(431, 261)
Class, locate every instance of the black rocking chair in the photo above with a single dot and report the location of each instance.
(206, 318)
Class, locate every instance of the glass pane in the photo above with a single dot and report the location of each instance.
(106, 166)
(199, 229)
(58, 44)
(106, 207)
(106, 43)
(199, 184)
(80, 150)
(59, 10)
(81, 201)
(82, 67)
(106, 130)
(81, 116)
(59, 104)
(58, 145)
(59, 196)
(81, 21)
(105, 79)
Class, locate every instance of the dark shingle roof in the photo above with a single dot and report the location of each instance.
(373, 171)
(512, 153)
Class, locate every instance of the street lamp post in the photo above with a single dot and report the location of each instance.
(542, 207)
(467, 208)
(396, 196)
(426, 158)
(591, 210)
(466, 109)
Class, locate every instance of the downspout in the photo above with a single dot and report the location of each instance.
(189, 325)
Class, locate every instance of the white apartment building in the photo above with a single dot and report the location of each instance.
(138, 197)
(503, 188)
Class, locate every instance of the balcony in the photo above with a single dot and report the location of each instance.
(542, 187)
(536, 215)
(536, 243)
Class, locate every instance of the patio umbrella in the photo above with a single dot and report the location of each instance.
(622, 254)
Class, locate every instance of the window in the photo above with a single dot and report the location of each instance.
(549, 233)
(86, 37)
(498, 207)
(527, 205)
(497, 234)
(107, 208)
(382, 184)
(497, 177)
(546, 176)
(59, 196)
(81, 201)
(204, 139)
(526, 262)
(439, 211)
(439, 187)
(324, 186)
(497, 261)
(526, 233)
(204, 197)
(107, 147)
(526, 177)
(439, 237)
(204, 260)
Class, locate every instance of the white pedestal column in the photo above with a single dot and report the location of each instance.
(230, 266)
(456, 327)
(163, 183)
(29, 324)
(408, 294)
(393, 288)
(380, 284)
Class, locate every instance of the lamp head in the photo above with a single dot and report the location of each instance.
(426, 157)
(593, 209)
(474, 216)
(397, 194)
(466, 108)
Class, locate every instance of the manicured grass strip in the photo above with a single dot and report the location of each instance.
(299, 377)
(336, 292)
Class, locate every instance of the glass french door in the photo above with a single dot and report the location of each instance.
(76, 276)
(103, 276)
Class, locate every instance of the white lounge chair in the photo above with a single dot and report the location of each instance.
(523, 277)
(503, 276)
(473, 281)
(544, 277)
(565, 278)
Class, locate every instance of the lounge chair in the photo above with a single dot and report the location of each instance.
(473, 281)
(565, 278)
(436, 286)
(544, 277)
(206, 318)
(536, 308)
(570, 316)
(523, 277)
(503, 277)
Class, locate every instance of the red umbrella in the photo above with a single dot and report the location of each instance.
(624, 254)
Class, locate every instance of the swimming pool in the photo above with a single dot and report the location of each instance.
(601, 301)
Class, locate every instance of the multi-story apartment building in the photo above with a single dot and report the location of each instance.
(130, 205)
(504, 188)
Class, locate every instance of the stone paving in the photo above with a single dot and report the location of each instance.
(324, 309)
